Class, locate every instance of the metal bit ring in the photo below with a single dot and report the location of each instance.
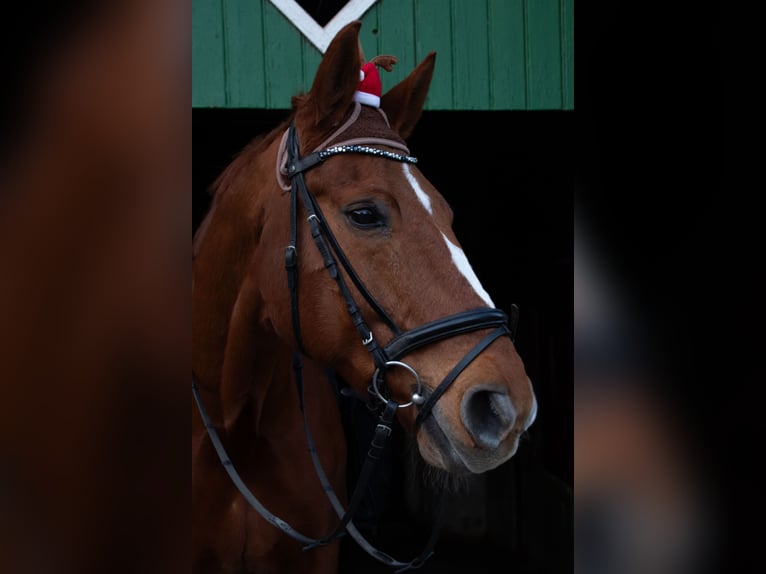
(417, 396)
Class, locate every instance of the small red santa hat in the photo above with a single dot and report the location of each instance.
(370, 87)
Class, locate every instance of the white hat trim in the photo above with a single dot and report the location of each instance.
(367, 99)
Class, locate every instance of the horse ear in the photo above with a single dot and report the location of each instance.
(337, 77)
(404, 102)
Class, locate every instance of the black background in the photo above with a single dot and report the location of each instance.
(510, 178)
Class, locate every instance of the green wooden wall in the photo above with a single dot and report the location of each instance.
(491, 54)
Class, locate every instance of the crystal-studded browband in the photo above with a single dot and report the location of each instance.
(335, 150)
(306, 163)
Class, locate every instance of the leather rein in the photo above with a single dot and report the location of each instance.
(384, 358)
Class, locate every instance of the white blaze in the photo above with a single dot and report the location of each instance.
(422, 195)
(458, 256)
(461, 262)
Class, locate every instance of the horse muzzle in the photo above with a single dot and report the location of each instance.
(484, 436)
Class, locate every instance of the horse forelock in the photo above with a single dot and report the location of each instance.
(372, 124)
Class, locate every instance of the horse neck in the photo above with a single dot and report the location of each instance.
(237, 357)
(224, 248)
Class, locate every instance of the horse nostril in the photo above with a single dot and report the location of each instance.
(488, 416)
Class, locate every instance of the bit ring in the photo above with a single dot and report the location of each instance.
(417, 395)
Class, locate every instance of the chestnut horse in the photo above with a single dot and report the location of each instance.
(326, 250)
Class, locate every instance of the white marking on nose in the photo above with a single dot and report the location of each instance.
(422, 195)
(461, 262)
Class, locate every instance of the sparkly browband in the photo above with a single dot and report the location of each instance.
(335, 150)
(353, 144)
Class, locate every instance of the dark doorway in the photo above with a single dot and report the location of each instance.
(510, 178)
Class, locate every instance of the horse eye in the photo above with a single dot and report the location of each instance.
(366, 217)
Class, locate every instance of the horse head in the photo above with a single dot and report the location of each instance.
(375, 211)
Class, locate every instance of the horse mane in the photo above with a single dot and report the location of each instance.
(231, 177)
(241, 160)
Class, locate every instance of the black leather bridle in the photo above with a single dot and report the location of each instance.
(403, 343)
(385, 357)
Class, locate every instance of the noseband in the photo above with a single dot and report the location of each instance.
(403, 343)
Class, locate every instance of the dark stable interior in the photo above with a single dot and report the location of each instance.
(510, 178)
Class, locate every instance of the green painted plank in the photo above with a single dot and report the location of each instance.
(567, 53)
(310, 59)
(246, 85)
(491, 54)
(397, 37)
(369, 36)
(543, 55)
(470, 55)
(283, 67)
(434, 34)
(208, 81)
(507, 72)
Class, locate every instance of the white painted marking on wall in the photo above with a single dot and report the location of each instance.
(316, 34)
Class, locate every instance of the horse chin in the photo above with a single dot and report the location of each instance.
(439, 449)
